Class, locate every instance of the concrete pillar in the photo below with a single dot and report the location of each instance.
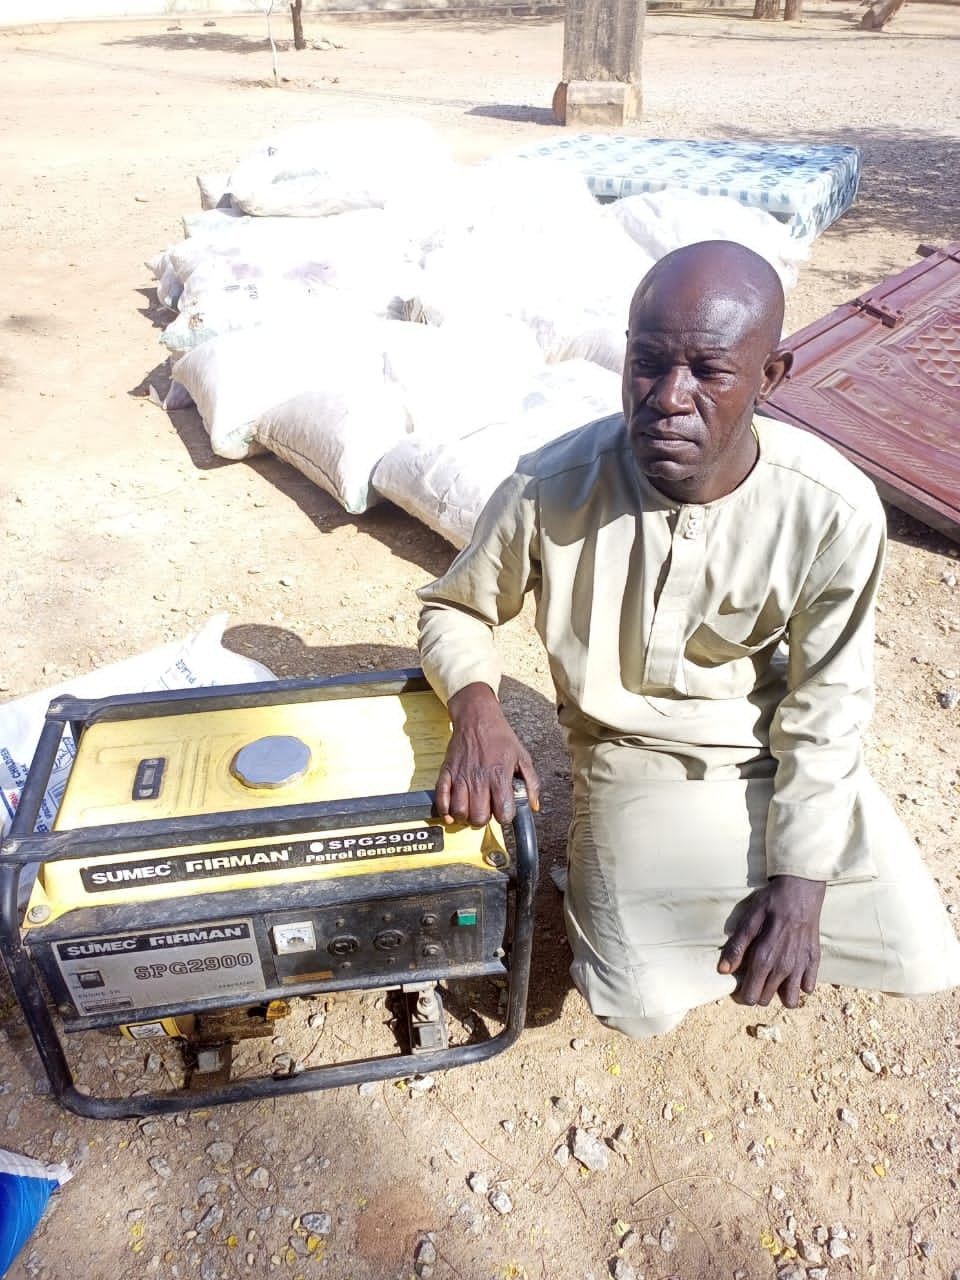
(602, 41)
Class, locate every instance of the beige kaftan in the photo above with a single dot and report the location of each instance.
(713, 669)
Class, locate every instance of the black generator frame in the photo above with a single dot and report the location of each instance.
(25, 847)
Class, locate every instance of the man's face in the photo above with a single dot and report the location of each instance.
(695, 370)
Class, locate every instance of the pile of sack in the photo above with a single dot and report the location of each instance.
(397, 325)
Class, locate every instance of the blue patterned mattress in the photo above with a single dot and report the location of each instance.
(804, 185)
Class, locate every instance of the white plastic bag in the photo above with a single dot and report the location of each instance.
(661, 221)
(198, 660)
(259, 271)
(502, 200)
(237, 379)
(457, 377)
(446, 484)
(214, 190)
(209, 222)
(337, 435)
(327, 168)
(570, 283)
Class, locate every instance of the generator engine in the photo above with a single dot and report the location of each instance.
(220, 854)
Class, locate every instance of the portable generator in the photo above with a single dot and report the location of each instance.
(220, 853)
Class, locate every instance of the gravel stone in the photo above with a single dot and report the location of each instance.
(259, 1178)
(668, 1241)
(577, 1043)
(870, 1060)
(590, 1151)
(849, 1118)
(821, 1235)
(817, 1273)
(368, 1088)
(949, 699)
(160, 1166)
(809, 1251)
(621, 1269)
(212, 1219)
(479, 1182)
(425, 1259)
(500, 1201)
(791, 1271)
(837, 1249)
(561, 1155)
(220, 1152)
(420, 1084)
(210, 1267)
(927, 1248)
(838, 1231)
(318, 1224)
(764, 1032)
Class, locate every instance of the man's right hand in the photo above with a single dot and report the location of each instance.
(482, 759)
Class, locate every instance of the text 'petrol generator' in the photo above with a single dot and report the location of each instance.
(222, 854)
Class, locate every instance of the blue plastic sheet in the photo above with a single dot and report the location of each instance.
(25, 1187)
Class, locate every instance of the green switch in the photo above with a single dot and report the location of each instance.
(465, 915)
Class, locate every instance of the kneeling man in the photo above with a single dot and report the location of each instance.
(704, 581)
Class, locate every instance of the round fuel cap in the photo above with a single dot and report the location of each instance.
(275, 761)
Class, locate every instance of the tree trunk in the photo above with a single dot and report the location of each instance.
(296, 13)
(766, 9)
(792, 10)
(879, 13)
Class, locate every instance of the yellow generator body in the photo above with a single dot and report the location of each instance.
(223, 850)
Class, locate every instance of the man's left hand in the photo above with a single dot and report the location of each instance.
(775, 948)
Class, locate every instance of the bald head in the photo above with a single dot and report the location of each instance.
(717, 282)
(701, 356)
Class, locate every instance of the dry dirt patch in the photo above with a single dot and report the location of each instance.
(122, 530)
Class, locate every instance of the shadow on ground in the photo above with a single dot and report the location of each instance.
(522, 115)
(196, 42)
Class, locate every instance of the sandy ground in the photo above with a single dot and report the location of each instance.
(122, 530)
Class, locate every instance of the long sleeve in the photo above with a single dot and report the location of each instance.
(483, 588)
(816, 733)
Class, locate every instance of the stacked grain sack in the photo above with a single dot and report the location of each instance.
(396, 325)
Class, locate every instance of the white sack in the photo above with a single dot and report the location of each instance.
(446, 484)
(328, 168)
(260, 270)
(209, 222)
(661, 221)
(266, 305)
(573, 293)
(214, 190)
(457, 378)
(504, 200)
(336, 436)
(236, 379)
(199, 660)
